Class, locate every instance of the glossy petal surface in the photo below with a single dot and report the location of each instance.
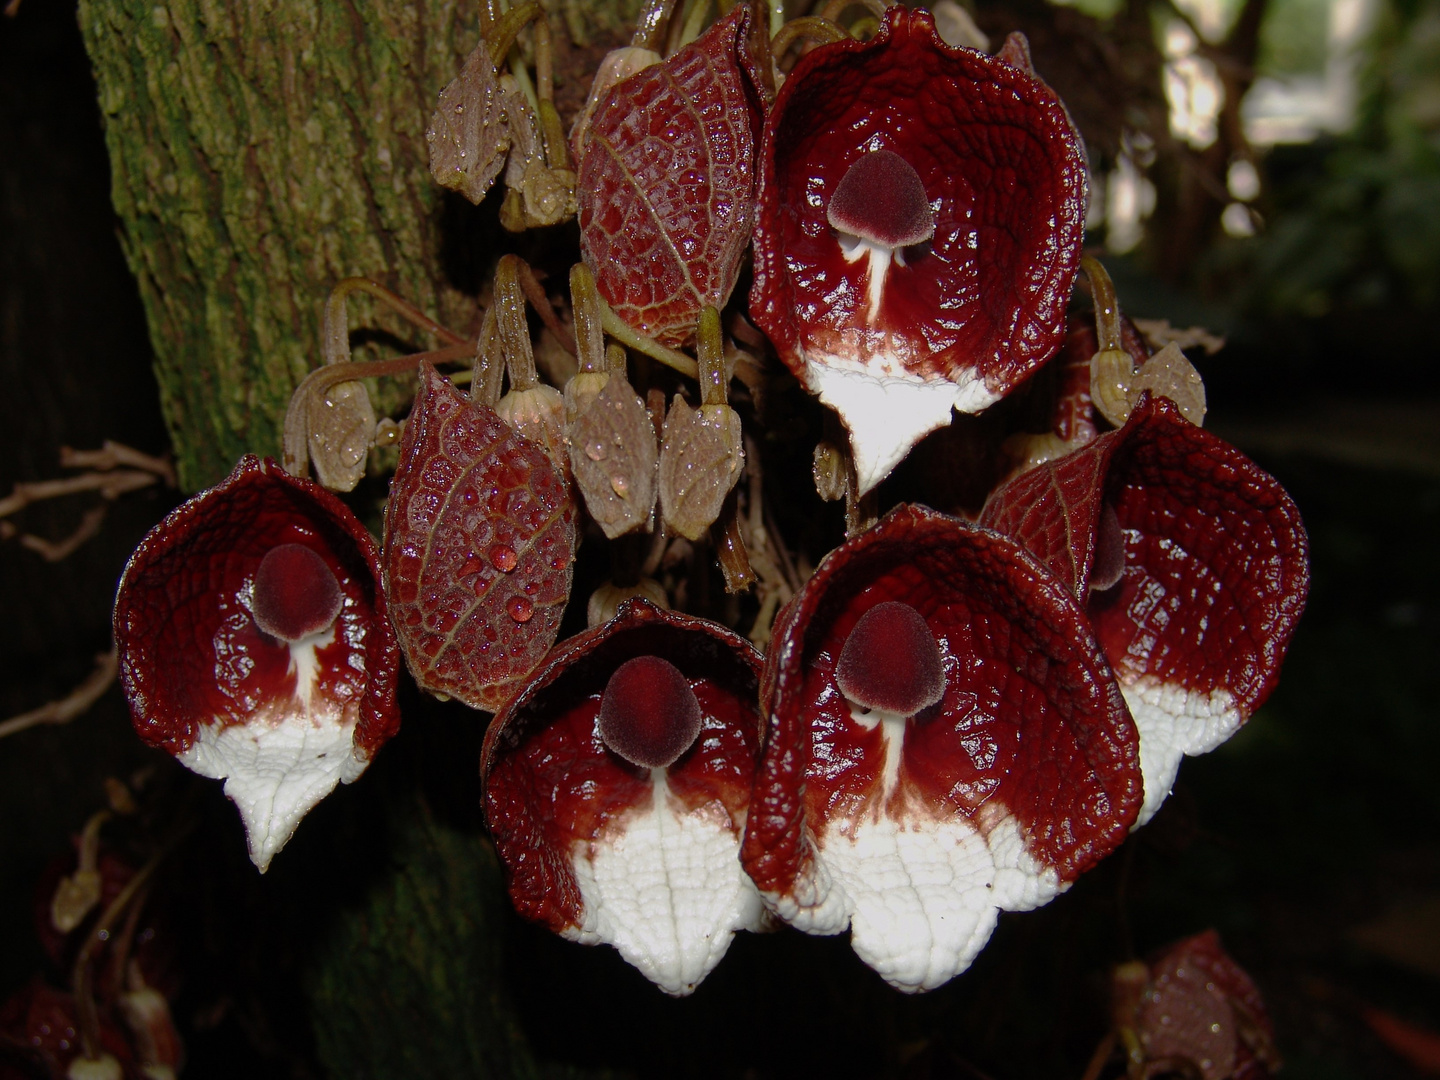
(282, 722)
(479, 546)
(667, 184)
(605, 852)
(1215, 576)
(968, 315)
(915, 835)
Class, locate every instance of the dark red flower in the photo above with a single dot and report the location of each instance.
(255, 647)
(617, 784)
(1195, 1011)
(1192, 564)
(914, 818)
(919, 226)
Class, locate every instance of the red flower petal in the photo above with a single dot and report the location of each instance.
(479, 546)
(967, 316)
(579, 828)
(667, 183)
(194, 663)
(915, 834)
(1215, 574)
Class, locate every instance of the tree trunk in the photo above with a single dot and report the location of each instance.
(259, 153)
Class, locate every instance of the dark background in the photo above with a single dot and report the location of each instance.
(1309, 841)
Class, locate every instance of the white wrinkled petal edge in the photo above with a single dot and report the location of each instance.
(279, 764)
(887, 414)
(920, 897)
(1174, 723)
(666, 890)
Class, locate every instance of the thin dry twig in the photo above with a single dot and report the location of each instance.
(73, 704)
(110, 485)
(112, 454)
(55, 550)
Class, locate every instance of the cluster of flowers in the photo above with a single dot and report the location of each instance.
(953, 717)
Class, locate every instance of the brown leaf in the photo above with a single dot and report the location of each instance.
(479, 546)
(700, 461)
(468, 135)
(613, 455)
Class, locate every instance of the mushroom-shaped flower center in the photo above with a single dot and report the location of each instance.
(296, 593)
(648, 713)
(879, 208)
(890, 661)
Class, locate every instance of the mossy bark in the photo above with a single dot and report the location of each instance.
(260, 152)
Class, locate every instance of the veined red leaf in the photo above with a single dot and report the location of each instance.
(667, 183)
(479, 545)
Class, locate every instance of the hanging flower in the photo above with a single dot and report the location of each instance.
(946, 741)
(255, 646)
(919, 227)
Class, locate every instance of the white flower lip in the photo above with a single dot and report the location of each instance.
(886, 409)
(667, 890)
(284, 759)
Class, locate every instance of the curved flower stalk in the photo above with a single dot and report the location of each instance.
(918, 231)
(255, 645)
(1193, 567)
(617, 784)
(945, 741)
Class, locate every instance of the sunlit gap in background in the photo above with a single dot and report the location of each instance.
(1306, 87)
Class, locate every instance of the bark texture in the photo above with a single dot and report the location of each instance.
(259, 153)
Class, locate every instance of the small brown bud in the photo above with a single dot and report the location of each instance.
(829, 469)
(613, 455)
(700, 461)
(606, 600)
(341, 422)
(538, 414)
(1112, 372)
(468, 135)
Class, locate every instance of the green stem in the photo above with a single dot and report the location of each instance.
(335, 321)
(651, 26)
(710, 352)
(808, 28)
(620, 330)
(512, 324)
(585, 306)
(489, 363)
(1107, 307)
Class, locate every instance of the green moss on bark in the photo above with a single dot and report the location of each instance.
(259, 153)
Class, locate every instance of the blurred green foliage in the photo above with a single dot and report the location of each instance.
(1354, 220)
(1294, 38)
